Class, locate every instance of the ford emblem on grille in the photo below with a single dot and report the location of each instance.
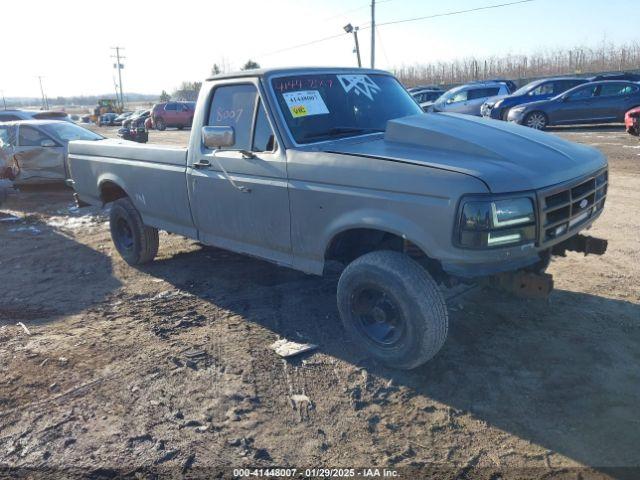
(584, 203)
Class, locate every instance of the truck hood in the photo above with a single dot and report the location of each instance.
(506, 157)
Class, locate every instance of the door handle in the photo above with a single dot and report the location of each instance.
(202, 164)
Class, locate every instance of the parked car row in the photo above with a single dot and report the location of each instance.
(546, 102)
(594, 102)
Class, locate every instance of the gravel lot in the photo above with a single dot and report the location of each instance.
(168, 366)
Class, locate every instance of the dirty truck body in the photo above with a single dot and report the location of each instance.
(304, 166)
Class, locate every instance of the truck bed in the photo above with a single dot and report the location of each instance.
(153, 176)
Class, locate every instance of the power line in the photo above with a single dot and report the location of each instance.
(447, 14)
(356, 9)
(384, 51)
(394, 22)
(293, 47)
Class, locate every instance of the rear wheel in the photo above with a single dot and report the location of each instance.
(136, 242)
(160, 124)
(180, 127)
(536, 120)
(392, 307)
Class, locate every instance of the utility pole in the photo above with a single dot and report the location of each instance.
(351, 29)
(373, 33)
(119, 66)
(45, 102)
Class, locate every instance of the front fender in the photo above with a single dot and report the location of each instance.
(381, 220)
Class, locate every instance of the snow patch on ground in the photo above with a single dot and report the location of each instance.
(75, 223)
(26, 229)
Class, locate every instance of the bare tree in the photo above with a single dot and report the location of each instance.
(578, 60)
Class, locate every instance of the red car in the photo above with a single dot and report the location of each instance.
(172, 114)
(632, 121)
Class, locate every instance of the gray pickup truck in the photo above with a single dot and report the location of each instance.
(306, 166)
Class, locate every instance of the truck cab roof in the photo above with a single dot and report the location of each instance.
(270, 72)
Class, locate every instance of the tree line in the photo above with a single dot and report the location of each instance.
(607, 57)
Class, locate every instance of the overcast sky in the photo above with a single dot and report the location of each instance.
(67, 41)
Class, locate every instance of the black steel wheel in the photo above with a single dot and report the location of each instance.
(392, 308)
(136, 242)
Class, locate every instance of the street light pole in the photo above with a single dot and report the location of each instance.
(351, 29)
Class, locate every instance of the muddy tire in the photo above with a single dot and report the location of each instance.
(136, 242)
(392, 307)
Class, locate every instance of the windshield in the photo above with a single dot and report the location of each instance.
(327, 106)
(526, 88)
(458, 93)
(66, 132)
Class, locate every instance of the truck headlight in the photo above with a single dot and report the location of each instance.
(496, 223)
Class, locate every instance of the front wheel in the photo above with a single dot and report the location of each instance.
(393, 308)
(536, 120)
(136, 242)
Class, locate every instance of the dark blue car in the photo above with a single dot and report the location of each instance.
(498, 107)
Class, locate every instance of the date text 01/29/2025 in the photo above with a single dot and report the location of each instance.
(316, 472)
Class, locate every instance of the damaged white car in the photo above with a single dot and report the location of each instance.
(39, 148)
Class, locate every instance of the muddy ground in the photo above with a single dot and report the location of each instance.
(168, 366)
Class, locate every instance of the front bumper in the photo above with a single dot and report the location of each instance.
(490, 111)
(577, 203)
(516, 116)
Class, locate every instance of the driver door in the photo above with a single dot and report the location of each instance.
(240, 201)
(577, 107)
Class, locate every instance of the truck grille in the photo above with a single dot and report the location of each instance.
(565, 207)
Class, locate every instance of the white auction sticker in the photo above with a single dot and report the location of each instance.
(305, 103)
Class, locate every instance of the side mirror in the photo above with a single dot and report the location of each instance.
(218, 137)
(47, 143)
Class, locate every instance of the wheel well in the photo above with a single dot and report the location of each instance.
(110, 192)
(351, 244)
